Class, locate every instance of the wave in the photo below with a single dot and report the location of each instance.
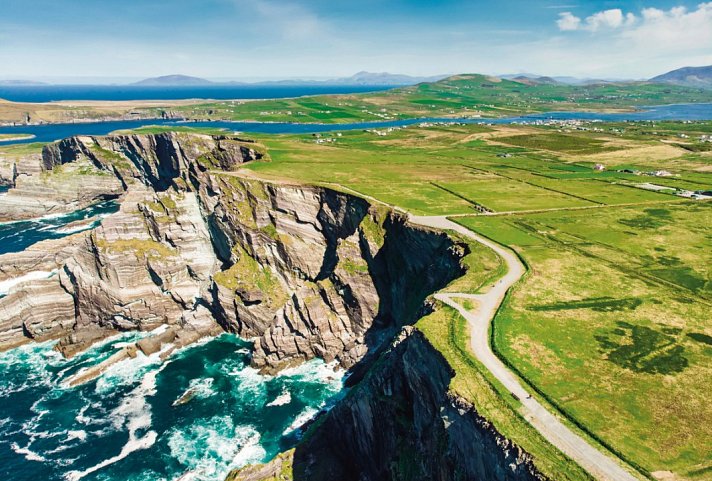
(134, 413)
(213, 447)
(304, 417)
(29, 454)
(284, 398)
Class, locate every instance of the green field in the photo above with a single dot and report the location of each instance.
(614, 314)
(614, 318)
(457, 96)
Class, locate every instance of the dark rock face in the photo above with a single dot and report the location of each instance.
(400, 423)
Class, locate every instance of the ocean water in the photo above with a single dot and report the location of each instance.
(130, 423)
(50, 133)
(193, 417)
(19, 235)
(49, 93)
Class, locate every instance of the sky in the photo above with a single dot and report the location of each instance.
(259, 39)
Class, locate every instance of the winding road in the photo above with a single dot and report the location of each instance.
(600, 465)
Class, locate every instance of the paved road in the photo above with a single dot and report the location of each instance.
(600, 465)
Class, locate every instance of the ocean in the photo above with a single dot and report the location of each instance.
(193, 417)
(51, 93)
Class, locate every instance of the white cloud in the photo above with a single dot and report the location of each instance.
(611, 19)
(568, 21)
(677, 29)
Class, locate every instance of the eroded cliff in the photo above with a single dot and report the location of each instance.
(304, 271)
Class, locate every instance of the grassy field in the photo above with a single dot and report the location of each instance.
(457, 96)
(448, 332)
(614, 318)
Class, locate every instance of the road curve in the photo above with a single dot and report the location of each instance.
(600, 465)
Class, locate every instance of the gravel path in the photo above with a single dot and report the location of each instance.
(597, 463)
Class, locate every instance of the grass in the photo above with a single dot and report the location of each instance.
(597, 327)
(247, 274)
(449, 334)
(16, 136)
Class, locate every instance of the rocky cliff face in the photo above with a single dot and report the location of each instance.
(304, 271)
(401, 423)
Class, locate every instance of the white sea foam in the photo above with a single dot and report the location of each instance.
(315, 371)
(305, 416)
(29, 455)
(284, 398)
(134, 413)
(133, 444)
(7, 285)
(125, 372)
(80, 434)
(212, 448)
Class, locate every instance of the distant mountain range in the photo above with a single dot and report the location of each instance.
(687, 76)
(20, 83)
(173, 80)
(360, 78)
(535, 79)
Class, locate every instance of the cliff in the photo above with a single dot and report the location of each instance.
(304, 271)
(401, 423)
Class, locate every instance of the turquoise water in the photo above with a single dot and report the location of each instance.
(128, 425)
(19, 235)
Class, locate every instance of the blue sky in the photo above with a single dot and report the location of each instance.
(320, 38)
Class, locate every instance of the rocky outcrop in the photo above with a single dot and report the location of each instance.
(304, 271)
(400, 423)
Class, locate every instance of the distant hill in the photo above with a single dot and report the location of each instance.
(173, 81)
(20, 83)
(360, 78)
(524, 79)
(383, 78)
(543, 79)
(687, 76)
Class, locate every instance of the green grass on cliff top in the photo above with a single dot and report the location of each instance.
(614, 318)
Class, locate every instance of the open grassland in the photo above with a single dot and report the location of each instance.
(461, 169)
(614, 318)
(449, 334)
(458, 96)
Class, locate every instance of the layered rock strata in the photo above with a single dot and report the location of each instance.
(304, 271)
